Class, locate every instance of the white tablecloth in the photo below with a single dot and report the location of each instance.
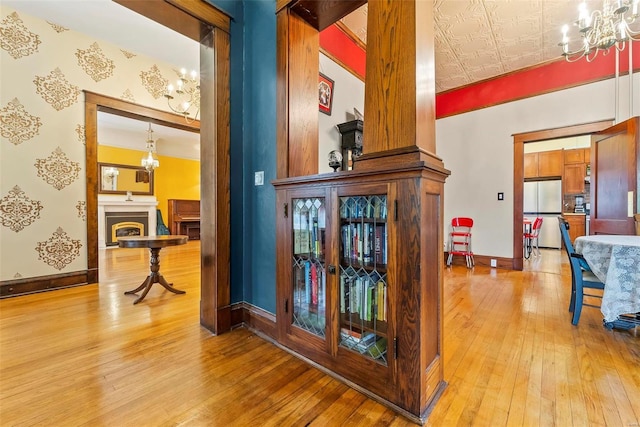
(615, 260)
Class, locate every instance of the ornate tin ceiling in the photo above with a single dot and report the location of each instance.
(480, 39)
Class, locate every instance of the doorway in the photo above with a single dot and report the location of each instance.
(519, 140)
(207, 25)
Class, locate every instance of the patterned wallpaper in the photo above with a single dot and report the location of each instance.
(44, 68)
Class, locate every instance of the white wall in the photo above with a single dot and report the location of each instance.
(478, 149)
(348, 93)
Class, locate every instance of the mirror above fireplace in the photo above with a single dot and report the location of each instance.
(121, 179)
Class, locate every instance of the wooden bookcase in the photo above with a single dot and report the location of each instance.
(398, 171)
(359, 279)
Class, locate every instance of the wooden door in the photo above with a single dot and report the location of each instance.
(614, 189)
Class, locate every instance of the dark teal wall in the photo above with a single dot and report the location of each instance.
(253, 148)
(260, 155)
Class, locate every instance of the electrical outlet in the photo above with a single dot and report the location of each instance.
(494, 263)
(259, 178)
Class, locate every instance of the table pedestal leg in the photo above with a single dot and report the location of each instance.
(153, 277)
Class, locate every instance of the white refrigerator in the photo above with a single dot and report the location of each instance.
(544, 199)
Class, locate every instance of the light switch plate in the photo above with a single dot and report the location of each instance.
(259, 178)
(500, 196)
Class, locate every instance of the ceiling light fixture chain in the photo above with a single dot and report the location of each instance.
(186, 94)
(603, 29)
(149, 162)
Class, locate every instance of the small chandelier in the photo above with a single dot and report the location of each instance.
(602, 29)
(149, 162)
(186, 95)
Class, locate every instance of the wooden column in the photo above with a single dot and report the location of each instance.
(215, 199)
(400, 87)
(297, 79)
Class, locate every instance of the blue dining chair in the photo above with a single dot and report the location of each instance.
(581, 275)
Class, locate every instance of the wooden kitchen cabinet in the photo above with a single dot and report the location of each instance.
(573, 179)
(531, 165)
(544, 164)
(550, 163)
(573, 156)
(577, 226)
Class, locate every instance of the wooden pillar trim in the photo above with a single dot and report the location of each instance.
(215, 180)
(400, 89)
(282, 94)
(204, 12)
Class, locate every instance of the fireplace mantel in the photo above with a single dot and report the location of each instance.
(113, 203)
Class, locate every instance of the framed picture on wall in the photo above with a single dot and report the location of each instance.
(325, 94)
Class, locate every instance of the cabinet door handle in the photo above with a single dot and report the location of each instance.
(286, 305)
(395, 348)
(286, 210)
(395, 210)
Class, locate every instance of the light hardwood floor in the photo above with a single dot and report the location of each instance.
(88, 356)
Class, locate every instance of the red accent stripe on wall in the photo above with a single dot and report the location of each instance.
(526, 83)
(335, 41)
(531, 82)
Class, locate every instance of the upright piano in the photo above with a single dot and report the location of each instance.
(184, 218)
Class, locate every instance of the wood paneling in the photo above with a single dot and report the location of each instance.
(215, 312)
(303, 70)
(399, 100)
(282, 94)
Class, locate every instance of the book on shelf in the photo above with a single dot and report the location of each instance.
(378, 348)
(367, 339)
(307, 282)
(350, 333)
(314, 285)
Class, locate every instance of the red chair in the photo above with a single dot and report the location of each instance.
(460, 240)
(530, 238)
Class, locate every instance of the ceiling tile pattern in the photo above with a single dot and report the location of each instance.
(480, 39)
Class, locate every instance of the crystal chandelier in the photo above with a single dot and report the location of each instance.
(602, 29)
(149, 162)
(185, 95)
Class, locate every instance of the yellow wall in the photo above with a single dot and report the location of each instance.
(174, 179)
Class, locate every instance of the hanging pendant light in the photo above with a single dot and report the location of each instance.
(149, 162)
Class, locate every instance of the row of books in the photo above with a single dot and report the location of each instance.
(363, 207)
(310, 286)
(309, 232)
(363, 296)
(364, 242)
(366, 343)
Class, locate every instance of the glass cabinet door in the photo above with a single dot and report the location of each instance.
(309, 276)
(363, 275)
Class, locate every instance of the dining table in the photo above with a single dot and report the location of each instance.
(615, 260)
